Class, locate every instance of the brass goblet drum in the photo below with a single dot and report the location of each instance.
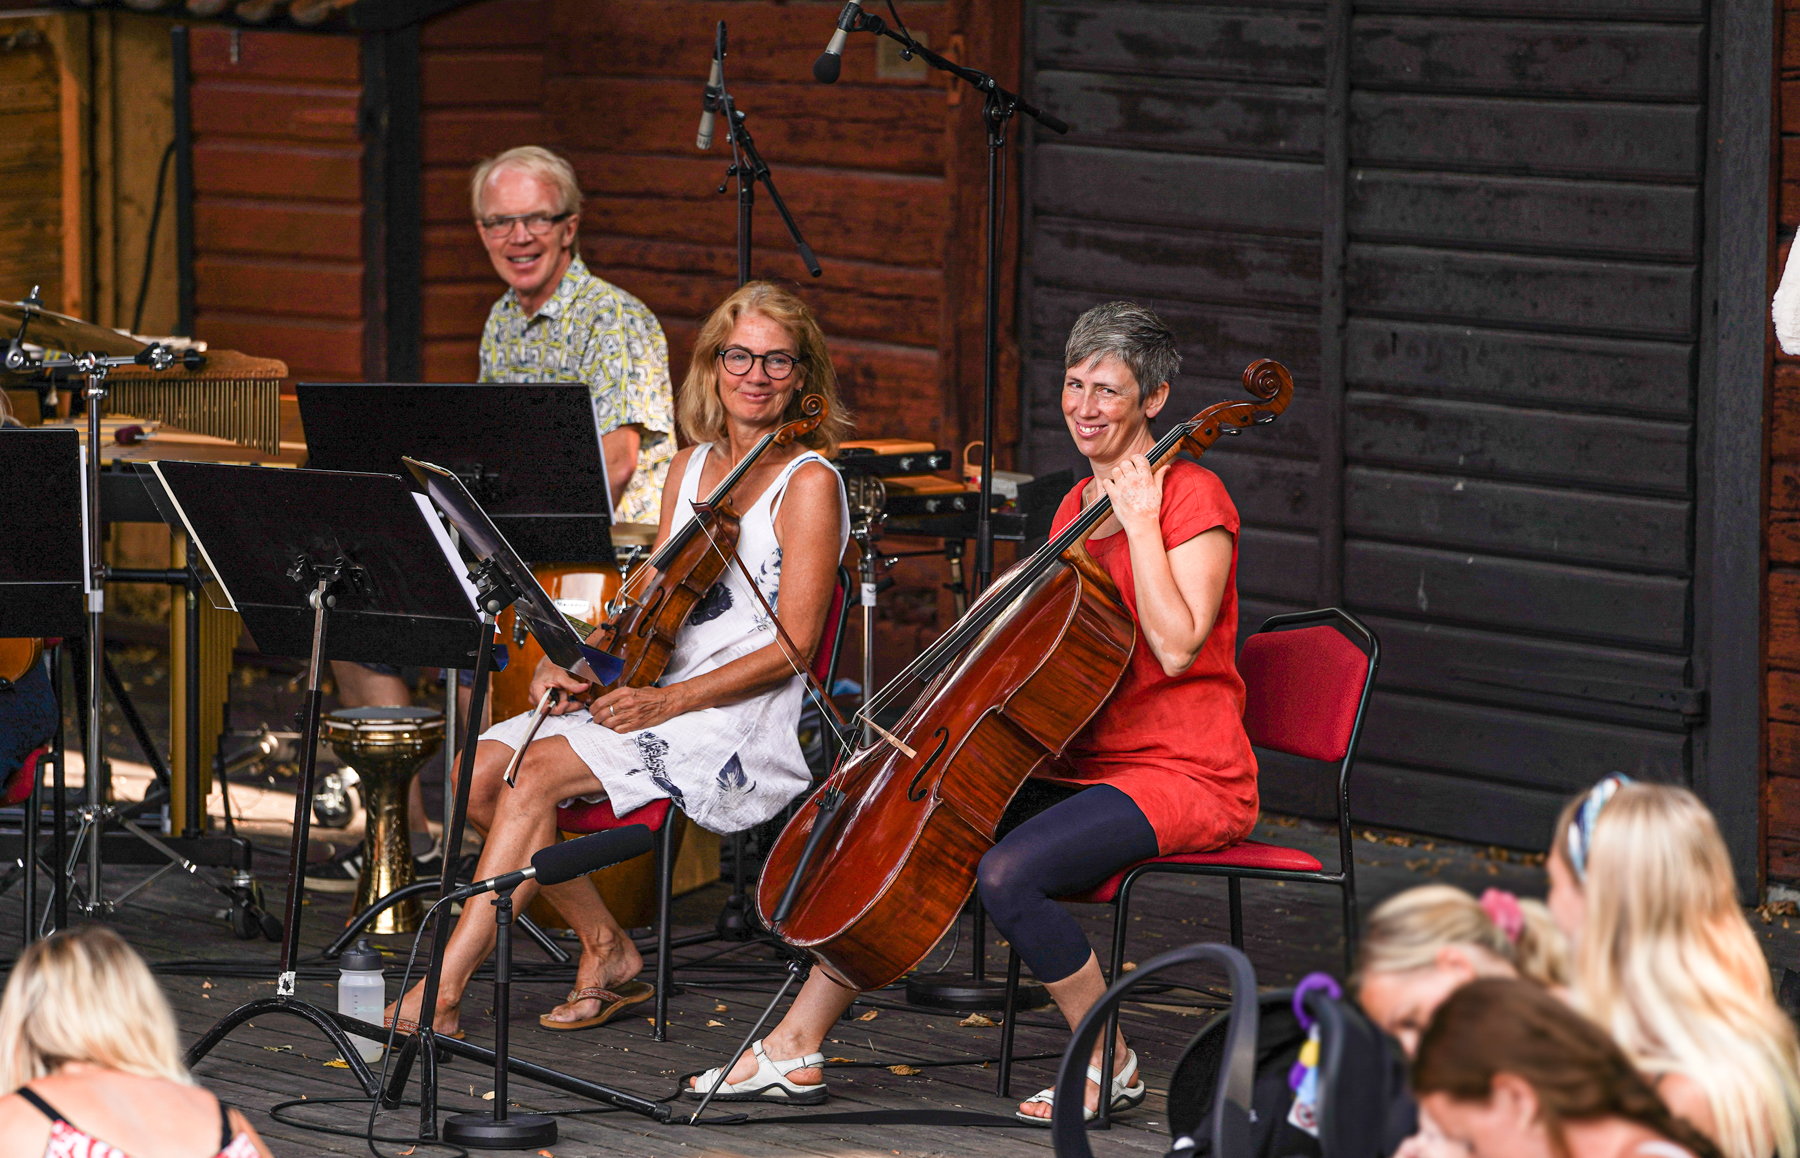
(385, 746)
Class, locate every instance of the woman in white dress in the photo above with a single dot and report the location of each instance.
(717, 734)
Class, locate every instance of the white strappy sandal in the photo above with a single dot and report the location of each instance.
(1127, 1093)
(768, 1084)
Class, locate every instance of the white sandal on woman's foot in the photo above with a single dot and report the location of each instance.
(1127, 1093)
(768, 1084)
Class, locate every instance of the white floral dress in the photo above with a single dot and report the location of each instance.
(727, 767)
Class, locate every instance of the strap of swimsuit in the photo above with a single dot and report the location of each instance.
(225, 1132)
(44, 1107)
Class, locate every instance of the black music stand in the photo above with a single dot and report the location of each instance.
(505, 579)
(42, 580)
(327, 566)
(543, 483)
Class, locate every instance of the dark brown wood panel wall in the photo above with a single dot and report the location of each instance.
(1493, 464)
(1783, 647)
(278, 264)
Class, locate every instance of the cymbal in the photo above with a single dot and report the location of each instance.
(61, 332)
(634, 534)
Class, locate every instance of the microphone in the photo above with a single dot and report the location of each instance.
(568, 860)
(710, 102)
(826, 68)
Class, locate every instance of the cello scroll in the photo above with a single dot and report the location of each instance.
(1264, 378)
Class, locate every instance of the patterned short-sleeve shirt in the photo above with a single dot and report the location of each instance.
(594, 332)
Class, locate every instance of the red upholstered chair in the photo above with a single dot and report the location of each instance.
(659, 815)
(1307, 678)
(17, 790)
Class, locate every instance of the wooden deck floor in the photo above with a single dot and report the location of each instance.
(1291, 930)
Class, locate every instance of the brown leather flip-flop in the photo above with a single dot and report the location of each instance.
(611, 1002)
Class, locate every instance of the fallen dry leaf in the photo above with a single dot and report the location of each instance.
(206, 985)
(337, 1063)
(903, 1071)
(1128, 966)
(488, 1097)
(979, 1019)
(710, 1023)
(721, 1007)
(870, 1016)
(545, 1154)
(840, 1060)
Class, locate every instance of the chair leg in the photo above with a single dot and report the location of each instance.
(665, 887)
(1348, 888)
(1121, 916)
(1003, 1087)
(1236, 888)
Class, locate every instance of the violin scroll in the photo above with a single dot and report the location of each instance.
(814, 410)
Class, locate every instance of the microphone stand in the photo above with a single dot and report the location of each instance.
(748, 167)
(501, 1130)
(946, 990)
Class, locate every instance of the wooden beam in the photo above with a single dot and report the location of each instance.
(393, 230)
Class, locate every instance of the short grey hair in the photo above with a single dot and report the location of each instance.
(550, 168)
(1132, 334)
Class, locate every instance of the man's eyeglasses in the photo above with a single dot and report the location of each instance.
(775, 363)
(536, 224)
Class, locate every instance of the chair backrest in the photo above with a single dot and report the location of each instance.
(1305, 678)
(824, 665)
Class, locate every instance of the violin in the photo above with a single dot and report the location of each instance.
(642, 626)
(17, 658)
(870, 879)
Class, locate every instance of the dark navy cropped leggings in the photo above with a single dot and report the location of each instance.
(1057, 839)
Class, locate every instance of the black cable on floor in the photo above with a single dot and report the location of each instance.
(275, 1112)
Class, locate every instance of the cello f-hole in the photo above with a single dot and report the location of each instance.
(913, 792)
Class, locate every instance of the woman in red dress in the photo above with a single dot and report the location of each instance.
(1165, 767)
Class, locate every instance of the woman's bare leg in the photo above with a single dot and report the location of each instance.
(609, 958)
(819, 1005)
(519, 821)
(1074, 996)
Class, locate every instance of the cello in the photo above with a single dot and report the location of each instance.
(869, 879)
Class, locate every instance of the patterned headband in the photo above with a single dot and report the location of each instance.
(1581, 832)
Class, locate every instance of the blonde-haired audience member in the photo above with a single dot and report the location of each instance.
(1425, 943)
(1507, 1071)
(85, 1032)
(1641, 882)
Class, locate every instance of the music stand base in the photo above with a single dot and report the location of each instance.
(517, 1132)
(963, 993)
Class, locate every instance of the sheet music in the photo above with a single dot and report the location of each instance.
(442, 535)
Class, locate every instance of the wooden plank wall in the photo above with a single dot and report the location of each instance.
(278, 198)
(1512, 505)
(864, 165)
(482, 90)
(1783, 656)
(31, 161)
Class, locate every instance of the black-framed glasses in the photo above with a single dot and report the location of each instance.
(775, 363)
(536, 224)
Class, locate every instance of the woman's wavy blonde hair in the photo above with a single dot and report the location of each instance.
(1668, 965)
(698, 410)
(1407, 930)
(84, 995)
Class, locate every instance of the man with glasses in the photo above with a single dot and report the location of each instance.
(557, 322)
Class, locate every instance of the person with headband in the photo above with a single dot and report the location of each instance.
(1506, 1071)
(1425, 943)
(1641, 883)
(88, 1047)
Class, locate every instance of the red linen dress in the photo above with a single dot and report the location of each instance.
(1174, 744)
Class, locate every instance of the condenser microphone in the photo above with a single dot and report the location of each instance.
(710, 103)
(568, 860)
(831, 61)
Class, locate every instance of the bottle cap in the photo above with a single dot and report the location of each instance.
(361, 957)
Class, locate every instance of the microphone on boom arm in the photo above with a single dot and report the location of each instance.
(714, 86)
(830, 62)
(568, 860)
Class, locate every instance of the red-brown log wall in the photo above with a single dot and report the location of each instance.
(278, 198)
(1784, 509)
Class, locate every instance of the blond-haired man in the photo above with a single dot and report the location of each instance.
(557, 322)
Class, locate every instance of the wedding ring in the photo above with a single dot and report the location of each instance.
(613, 709)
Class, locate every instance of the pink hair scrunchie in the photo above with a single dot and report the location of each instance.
(1503, 909)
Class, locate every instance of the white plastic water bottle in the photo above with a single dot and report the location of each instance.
(362, 992)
